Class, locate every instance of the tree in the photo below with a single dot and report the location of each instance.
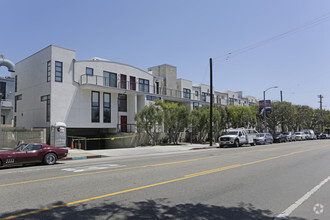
(150, 120)
(241, 116)
(200, 119)
(176, 119)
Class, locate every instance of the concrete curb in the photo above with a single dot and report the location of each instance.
(83, 157)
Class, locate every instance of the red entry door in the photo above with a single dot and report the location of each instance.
(123, 122)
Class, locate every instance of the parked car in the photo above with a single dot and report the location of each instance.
(265, 138)
(321, 135)
(32, 153)
(291, 136)
(310, 135)
(300, 136)
(279, 138)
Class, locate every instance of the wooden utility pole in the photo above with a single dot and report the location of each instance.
(211, 103)
(321, 97)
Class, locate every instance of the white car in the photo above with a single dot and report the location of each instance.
(300, 136)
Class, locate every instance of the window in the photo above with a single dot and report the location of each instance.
(95, 106)
(143, 85)
(17, 98)
(33, 147)
(106, 107)
(196, 93)
(123, 81)
(15, 121)
(231, 101)
(49, 71)
(58, 71)
(110, 79)
(152, 98)
(3, 90)
(89, 71)
(46, 98)
(186, 93)
(122, 102)
(204, 96)
(16, 83)
(132, 83)
(195, 105)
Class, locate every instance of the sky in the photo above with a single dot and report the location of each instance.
(186, 34)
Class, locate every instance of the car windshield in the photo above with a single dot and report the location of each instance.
(232, 133)
(286, 133)
(261, 135)
(20, 147)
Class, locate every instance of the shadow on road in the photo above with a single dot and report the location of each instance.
(149, 209)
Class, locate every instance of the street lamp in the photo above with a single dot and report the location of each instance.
(273, 87)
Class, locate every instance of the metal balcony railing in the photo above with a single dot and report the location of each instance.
(7, 103)
(146, 88)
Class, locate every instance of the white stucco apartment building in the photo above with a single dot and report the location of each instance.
(96, 97)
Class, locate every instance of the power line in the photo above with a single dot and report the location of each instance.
(245, 49)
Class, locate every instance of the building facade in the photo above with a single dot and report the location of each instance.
(96, 97)
(7, 100)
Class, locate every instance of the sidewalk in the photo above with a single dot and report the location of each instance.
(76, 154)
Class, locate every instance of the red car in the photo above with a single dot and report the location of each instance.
(32, 153)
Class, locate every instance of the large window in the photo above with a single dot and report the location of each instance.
(123, 81)
(132, 83)
(231, 101)
(58, 71)
(3, 90)
(109, 79)
(95, 106)
(17, 98)
(204, 96)
(143, 85)
(89, 71)
(49, 69)
(106, 107)
(186, 93)
(122, 102)
(46, 98)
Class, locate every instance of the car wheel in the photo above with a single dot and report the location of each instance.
(254, 143)
(50, 159)
(220, 146)
(236, 143)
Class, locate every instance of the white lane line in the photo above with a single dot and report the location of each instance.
(295, 205)
(91, 168)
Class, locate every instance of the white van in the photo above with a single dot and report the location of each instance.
(310, 135)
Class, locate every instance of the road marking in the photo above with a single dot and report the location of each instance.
(90, 168)
(129, 168)
(189, 176)
(296, 204)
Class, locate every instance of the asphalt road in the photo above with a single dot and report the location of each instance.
(279, 181)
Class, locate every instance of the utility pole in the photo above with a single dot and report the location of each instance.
(211, 103)
(282, 127)
(321, 97)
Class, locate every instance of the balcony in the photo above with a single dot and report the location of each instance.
(7, 103)
(126, 86)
